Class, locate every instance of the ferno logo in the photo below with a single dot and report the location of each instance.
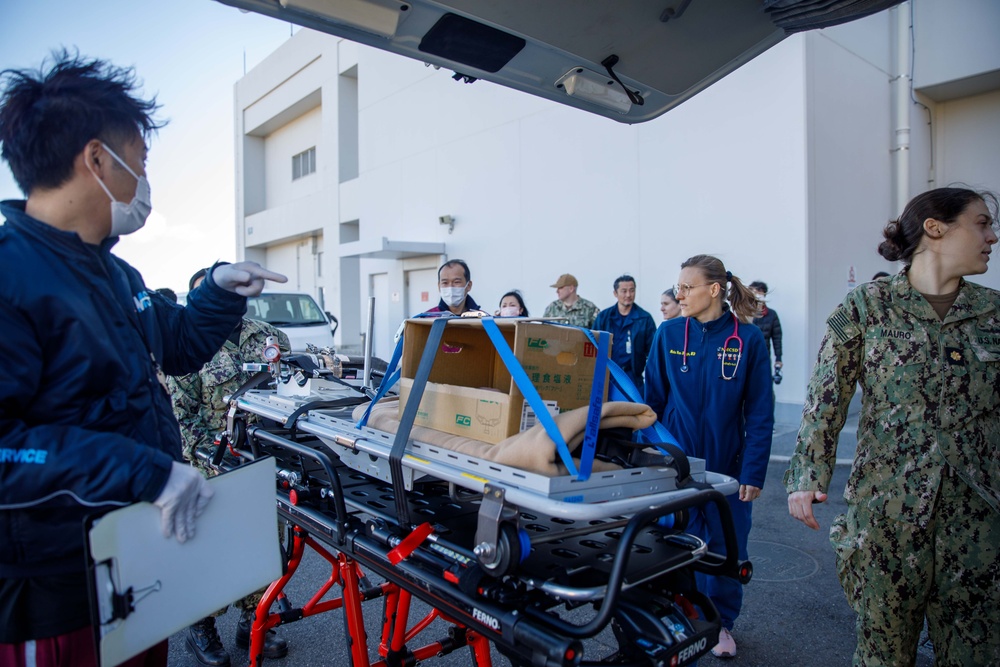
(463, 420)
(486, 619)
(589, 350)
(538, 342)
(689, 652)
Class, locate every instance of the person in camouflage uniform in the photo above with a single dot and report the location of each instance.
(200, 406)
(577, 310)
(921, 536)
(199, 398)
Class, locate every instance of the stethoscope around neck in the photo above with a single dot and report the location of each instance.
(725, 346)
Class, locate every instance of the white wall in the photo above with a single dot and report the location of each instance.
(298, 261)
(969, 152)
(725, 174)
(280, 112)
(782, 169)
(850, 180)
(553, 191)
(290, 139)
(955, 39)
(538, 189)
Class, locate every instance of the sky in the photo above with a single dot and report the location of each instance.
(189, 54)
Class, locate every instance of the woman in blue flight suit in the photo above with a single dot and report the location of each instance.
(709, 380)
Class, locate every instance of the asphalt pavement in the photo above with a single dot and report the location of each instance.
(794, 611)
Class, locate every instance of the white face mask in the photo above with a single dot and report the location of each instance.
(510, 311)
(453, 296)
(127, 218)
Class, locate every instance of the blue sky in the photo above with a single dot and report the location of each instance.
(188, 53)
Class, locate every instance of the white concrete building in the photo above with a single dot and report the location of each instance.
(787, 169)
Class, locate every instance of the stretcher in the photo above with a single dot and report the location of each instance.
(533, 564)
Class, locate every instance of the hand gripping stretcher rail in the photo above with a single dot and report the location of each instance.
(501, 554)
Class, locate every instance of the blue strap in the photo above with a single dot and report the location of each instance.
(529, 391)
(589, 448)
(623, 386)
(390, 379)
(409, 414)
(623, 389)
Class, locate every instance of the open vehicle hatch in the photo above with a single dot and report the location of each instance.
(629, 60)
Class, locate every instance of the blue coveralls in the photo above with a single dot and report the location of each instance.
(726, 422)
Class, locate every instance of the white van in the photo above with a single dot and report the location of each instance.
(297, 315)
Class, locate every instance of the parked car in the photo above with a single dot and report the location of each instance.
(298, 315)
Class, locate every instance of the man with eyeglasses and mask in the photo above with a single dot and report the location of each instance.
(85, 422)
(454, 284)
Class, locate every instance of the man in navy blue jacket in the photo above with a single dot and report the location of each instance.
(85, 422)
(632, 329)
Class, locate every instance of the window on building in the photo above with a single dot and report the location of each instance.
(304, 163)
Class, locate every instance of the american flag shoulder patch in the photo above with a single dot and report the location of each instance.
(842, 327)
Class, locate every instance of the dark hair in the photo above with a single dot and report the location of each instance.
(198, 275)
(623, 278)
(902, 236)
(759, 285)
(741, 299)
(670, 293)
(456, 262)
(520, 301)
(880, 274)
(47, 118)
(168, 293)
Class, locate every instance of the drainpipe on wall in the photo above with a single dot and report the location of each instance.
(901, 108)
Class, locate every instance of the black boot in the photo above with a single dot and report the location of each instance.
(274, 646)
(203, 641)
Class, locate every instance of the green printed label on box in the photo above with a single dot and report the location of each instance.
(463, 420)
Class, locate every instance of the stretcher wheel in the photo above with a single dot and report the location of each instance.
(677, 521)
(509, 552)
(238, 438)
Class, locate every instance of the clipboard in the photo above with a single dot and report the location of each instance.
(145, 587)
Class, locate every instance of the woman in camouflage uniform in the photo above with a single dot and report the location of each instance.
(921, 534)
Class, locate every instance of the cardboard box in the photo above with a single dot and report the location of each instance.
(471, 393)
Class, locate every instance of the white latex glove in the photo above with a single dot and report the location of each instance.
(183, 499)
(244, 278)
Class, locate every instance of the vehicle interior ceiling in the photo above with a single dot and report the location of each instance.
(629, 61)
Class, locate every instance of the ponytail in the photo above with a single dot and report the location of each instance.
(742, 300)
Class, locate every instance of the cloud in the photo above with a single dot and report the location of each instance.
(167, 252)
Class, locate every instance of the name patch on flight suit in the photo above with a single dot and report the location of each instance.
(986, 345)
(895, 334)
